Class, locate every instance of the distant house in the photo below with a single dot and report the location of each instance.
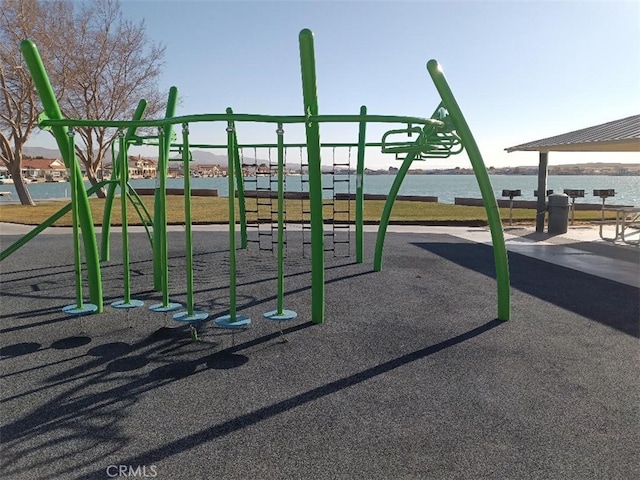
(140, 167)
(51, 169)
(205, 170)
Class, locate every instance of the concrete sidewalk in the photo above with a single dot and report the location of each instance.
(581, 248)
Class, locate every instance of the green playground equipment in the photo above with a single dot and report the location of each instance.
(443, 134)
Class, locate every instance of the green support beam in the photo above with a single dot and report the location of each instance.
(111, 190)
(52, 110)
(160, 257)
(312, 130)
(486, 190)
(362, 134)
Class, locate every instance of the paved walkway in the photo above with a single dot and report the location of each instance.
(410, 377)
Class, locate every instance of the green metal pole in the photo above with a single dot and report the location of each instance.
(52, 110)
(77, 256)
(160, 245)
(231, 142)
(160, 258)
(362, 134)
(160, 220)
(187, 216)
(388, 206)
(280, 302)
(280, 314)
(310, 98)
(111, 190)
(124, 179)
(123, 172)
(242, 208)
(486, 190)
(233, 320)
(190, 316)
(105, 243)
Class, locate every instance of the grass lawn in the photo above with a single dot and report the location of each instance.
(210, 210)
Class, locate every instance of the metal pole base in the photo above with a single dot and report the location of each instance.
(186, 318)
(240, 322)
(85, 309)
(170, 307)
(129, 304)
(280, 317)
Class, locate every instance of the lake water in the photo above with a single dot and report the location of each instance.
(445, 187)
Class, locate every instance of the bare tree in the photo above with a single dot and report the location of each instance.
(113, 66)
(19, 102)
(99, 63)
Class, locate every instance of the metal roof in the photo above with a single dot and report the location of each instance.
(617, 136)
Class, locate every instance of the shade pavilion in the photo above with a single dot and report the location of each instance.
(616, 136)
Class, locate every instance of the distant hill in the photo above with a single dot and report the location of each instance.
(202, 156)
(41, 152)
(199, 156)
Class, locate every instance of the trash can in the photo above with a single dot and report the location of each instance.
(558, 213)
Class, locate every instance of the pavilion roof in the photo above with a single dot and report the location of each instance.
(617, 136)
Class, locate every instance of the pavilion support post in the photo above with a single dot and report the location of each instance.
(541, 206)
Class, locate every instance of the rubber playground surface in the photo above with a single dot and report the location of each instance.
(410, 377)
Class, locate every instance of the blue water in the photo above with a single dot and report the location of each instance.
(445, 187)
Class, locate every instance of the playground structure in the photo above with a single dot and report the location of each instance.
(443, 134)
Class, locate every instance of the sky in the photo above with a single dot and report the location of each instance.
(520, 70)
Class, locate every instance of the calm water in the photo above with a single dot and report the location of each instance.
(445, 187)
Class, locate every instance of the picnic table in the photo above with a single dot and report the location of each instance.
(626, 218)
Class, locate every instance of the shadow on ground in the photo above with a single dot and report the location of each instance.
(605, 301)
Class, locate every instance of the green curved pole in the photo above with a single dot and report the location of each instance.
(242, 208)
(309, 93)
(482, 176)
(46, 224)
(160, 257)
(52, 110)
(388, 206)
(111, 191)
